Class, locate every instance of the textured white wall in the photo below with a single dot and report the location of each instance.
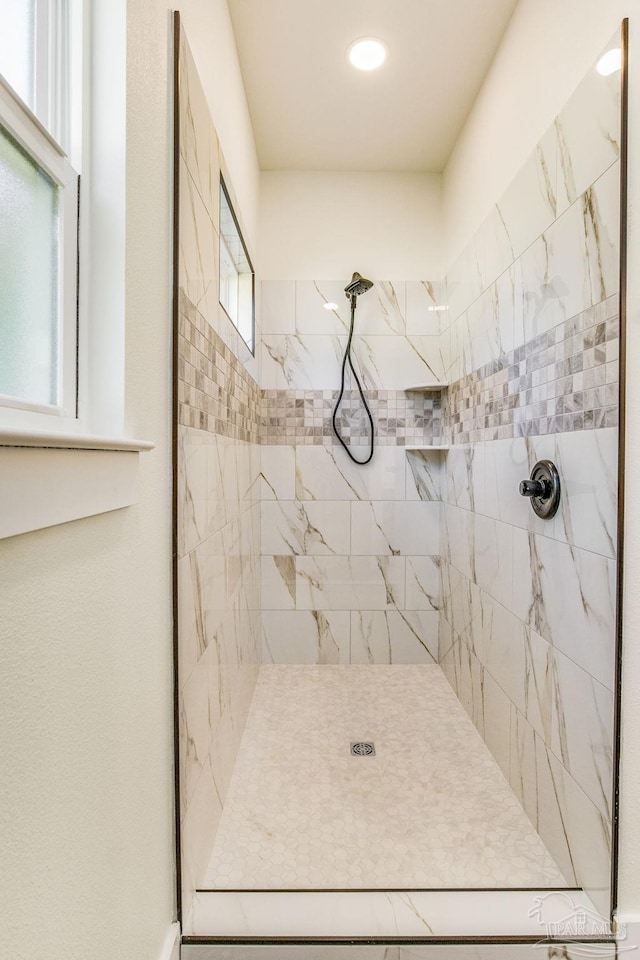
(86, 752)
(326, 225)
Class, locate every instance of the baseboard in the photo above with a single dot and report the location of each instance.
(171, 946)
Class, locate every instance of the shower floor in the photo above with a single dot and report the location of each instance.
(431, 809)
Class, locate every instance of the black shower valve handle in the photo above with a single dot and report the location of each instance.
(543, 489)
(534, 488)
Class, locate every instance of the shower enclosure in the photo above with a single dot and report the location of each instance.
(396, 684)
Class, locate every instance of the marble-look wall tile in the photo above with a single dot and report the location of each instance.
(219, 571)
(312, 361)
(588, 130)
(277, 472)
(461, 603)
(191, 625)
(381, 311)
(326, 473)
(306, 636)
(230, 480)
(527, 208)
(570, 823)
(462, 475)
(199, 248)
(198, 140)
(279, 582)
(582, 731)
(491, 543)
(466, 675)
(554, 684)
(457, 539)
(505, 464)
(465, 278)
(395, 527)
(311, 314)
(294, 361)
(527, 629)
(490, 325)
(195, 730)
(193, 456)
(392, 363)
(423, 583)
(306, 527)
(496, 717)
(574, 265)
(198, 826)
(424, 472)
(588, 465)
(425, 305)
(350, 583)
(394, 636)
(567, 595)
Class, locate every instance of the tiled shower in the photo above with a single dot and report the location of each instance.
(420, 590)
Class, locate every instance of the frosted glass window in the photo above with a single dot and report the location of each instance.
(18, 47)
(28, 277)
(236, 272)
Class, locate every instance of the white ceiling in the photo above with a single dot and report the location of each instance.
(312, 111)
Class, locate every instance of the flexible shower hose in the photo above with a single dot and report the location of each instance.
(347, 359)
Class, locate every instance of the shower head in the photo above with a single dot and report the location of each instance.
(357, 285)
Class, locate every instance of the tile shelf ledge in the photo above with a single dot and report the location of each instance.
(426, 387)
(425, 448)
(26, 438)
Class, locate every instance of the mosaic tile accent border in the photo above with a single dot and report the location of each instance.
(215, 392)
(563, 380)
(304, 417)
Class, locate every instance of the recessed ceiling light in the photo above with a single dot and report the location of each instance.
(367, 53)
(330, 306)
(610, 62)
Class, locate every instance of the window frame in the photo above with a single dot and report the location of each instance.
(54, 69)
(252, 345)
(61, 469)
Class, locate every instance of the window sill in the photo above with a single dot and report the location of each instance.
(47, 479)
(14, 437)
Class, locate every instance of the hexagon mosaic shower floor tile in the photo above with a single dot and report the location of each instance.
(430, 809)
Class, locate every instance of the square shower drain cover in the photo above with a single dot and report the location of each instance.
(363, 748)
